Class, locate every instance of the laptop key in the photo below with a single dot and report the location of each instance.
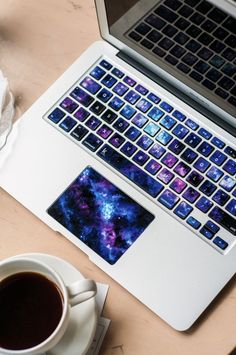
(189, 59)
(109, 80)
(56, 115)
(189, 155)
(142, 28)
(223, 219)
(217, 142)
(222, 244)
(182, 169)
(218, 157)
(141, 89)
(176, 146)
(204, 204)
(214, 173)
(81, 96)
(227, 183)
(230, 167)
(135, 36)
(147, 44)
(194, 178)
(212, 226)
(178, 185)
(184, 68)
(155, 21)
(204, 133)
(81, 114)
(231, 152)
(140, 157)
(130, 170)
(166, 13)
(79, 132)
(121, 124)
(230, 24)
(183, 210)
(191, 195)
(97, 108)
(201, 164)
(158, 51)
(180, 131)
(220, 197)
(120, 89)
(231, 207)
(69, 105)
(229, 54)
(205, 53)
(179, 115)
(67, 124)
(157, 151)
(192, 140)
(185, 11)
(128, 149)
(205, 149)
(222, 93)
(154, 36)
(193, 222)
(232, 101)
(91, 85)
(117, 72)
(128, 112)
(169, 31)
(93, 123)
(173, 4)
(208, 26)
(220, 33)
(92, 142)
(109, 116)
(153, 167)
(192, 124)
(193, 45)
(168, 199)
(152, 97)
(104, 95)
(97, 73)
(167, 122)
(165, 176)
(217, 15)
(207, 188)
(206, 232)
(105, 64)
(171, 60)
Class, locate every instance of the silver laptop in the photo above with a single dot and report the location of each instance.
(131, 153)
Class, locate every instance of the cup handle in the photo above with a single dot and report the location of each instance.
(81, 291)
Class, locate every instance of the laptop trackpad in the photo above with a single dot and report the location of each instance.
(100, 215)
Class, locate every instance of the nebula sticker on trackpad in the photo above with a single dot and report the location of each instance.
(100, 215)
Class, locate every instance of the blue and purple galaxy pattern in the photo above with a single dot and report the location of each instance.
(100, 215)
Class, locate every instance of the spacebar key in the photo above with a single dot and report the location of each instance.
(130, 170)
(224, 219)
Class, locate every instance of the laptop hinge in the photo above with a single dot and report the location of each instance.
(183, 97)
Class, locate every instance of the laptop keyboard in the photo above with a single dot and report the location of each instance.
(181, 165)
(195, 37)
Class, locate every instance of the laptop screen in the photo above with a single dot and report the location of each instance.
(184, 40)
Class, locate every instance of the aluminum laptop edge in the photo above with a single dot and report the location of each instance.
(169, 268)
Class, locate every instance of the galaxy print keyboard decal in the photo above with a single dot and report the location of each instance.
(103, 217)
(179, 164)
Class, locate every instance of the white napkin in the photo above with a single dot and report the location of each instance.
(6, 110)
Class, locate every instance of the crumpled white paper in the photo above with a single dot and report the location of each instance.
(6, 110)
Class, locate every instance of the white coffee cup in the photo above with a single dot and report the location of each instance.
(72, 295)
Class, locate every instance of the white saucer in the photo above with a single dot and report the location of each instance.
(82, 326)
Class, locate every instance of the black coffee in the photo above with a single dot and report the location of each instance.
(30, 309)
